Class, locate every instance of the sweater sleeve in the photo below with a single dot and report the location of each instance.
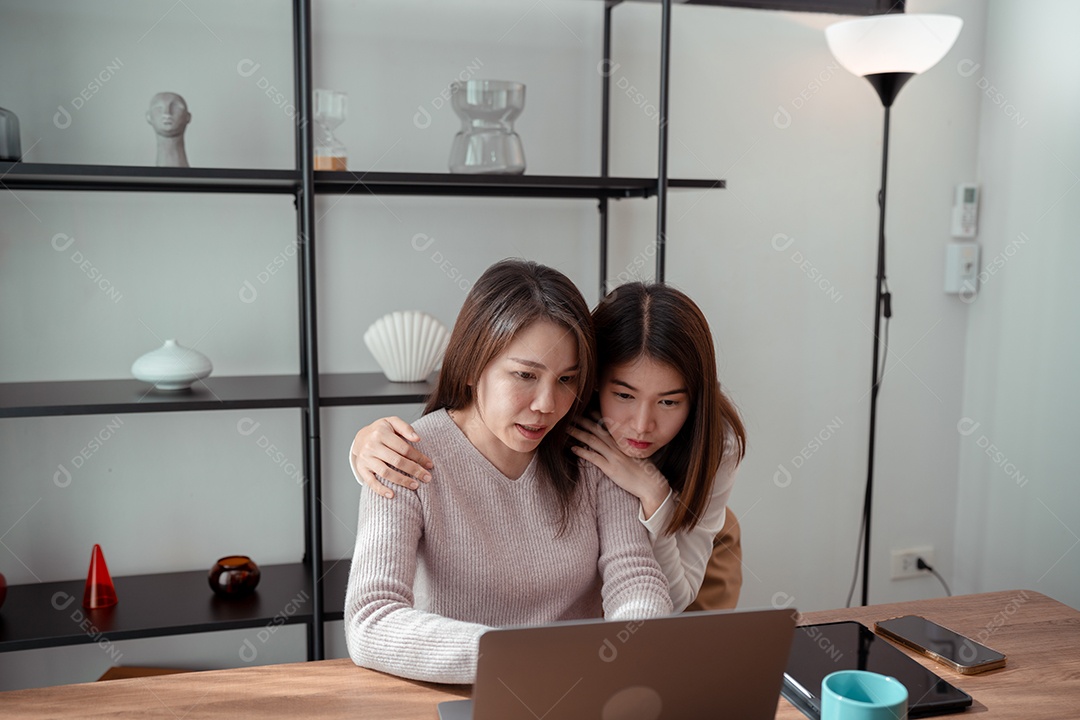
(634, 586)
(685, 555)
(383, 630)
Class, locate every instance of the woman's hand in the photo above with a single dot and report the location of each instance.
(637, 476)
(381, 450)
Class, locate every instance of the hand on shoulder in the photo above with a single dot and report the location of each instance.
(381, 455)
(637, 476)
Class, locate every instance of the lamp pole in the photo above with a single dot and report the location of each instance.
(887, 50)
(882, 306)
(887, 86)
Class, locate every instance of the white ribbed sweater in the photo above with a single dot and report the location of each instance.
(435, 568)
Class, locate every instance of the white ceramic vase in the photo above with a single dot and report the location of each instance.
(172, 367)
(408, 345)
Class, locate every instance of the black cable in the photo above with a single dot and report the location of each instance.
(923, 565)
(886, 310)
(858, 556)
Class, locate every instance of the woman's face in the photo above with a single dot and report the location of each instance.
(522, 394)
(644, 404)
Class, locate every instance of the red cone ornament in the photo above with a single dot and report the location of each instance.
(100, 591)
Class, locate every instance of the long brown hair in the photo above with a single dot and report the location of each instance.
(506, 299)
(663, 324)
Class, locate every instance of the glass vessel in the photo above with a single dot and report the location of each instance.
(487, 142)
(10, 148)
(234, 576)
(331, 109)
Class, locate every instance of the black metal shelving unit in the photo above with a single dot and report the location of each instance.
(50, 614)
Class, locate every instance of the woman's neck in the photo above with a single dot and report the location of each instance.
(510, 463)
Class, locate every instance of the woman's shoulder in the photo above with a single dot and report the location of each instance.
(589, 474)
(589, 479)
(438, 433)
(733, 449)
(436, 420)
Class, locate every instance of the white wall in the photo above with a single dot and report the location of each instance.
(1018, 517)
(783, 262)
(757, 99)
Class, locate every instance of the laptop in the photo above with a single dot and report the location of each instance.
(678, 666)
(818, 650)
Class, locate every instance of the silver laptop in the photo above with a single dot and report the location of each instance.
(721, 663)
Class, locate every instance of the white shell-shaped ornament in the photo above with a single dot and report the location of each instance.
(172, 366)
(407, 344)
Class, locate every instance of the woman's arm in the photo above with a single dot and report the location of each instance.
(383, 630)
(685, 555)
(381, 450)
(634, 585)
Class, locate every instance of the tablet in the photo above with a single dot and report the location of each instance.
(818, 650)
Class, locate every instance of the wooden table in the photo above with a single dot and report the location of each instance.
(1040, 636)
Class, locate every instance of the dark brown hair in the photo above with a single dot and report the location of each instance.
(509, 297)
(663, 324)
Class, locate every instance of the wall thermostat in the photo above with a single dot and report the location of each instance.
(965, 211)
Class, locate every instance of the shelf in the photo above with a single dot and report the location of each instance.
(839, 7)
(92, 397)
(41, 615)
(544, 186)
(109, 397)
(48, 176)
(370, 389)
(44, 176)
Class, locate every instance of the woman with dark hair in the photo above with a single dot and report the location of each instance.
(516, 530)
(665, 432)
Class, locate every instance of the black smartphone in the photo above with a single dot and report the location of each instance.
(946, 646)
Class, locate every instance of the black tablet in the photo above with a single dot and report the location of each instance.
(818, 650)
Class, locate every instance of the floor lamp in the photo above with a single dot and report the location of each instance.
(887, 50)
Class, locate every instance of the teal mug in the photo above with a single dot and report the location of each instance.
(862, 695)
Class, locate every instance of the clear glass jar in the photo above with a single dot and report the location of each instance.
(487, 142)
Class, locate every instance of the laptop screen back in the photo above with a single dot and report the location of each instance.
(671, 667)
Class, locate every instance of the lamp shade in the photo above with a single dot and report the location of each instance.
(893, 43)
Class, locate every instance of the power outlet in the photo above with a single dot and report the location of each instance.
(904, 562)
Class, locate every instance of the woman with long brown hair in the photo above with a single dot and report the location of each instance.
(515, 530)
(665, 431)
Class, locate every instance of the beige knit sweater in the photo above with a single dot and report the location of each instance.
(435, 568)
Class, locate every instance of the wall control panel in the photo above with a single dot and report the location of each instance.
(965, 211)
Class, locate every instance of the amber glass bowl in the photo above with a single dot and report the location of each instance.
(234, 576)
